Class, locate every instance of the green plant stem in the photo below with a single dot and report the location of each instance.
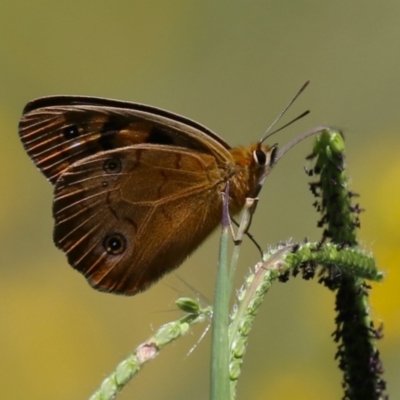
(148, 350)
(243, 227)
(219, 380)
(355, 333)
(278, 264)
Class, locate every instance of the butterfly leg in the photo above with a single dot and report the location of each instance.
(245, 223)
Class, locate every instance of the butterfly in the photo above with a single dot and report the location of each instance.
(136, 188)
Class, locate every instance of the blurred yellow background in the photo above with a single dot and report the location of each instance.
(232, 67)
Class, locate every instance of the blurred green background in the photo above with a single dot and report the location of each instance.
(231, 66)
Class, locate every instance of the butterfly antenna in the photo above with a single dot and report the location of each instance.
(289, 123)
(267, 134)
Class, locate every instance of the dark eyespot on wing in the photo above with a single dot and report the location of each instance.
(71, 132)
(112, 165)
(114, 243)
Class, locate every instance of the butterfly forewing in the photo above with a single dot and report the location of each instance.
(128, 216)
(59, 131)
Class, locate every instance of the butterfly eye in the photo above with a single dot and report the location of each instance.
(274, 152)
(260, 157)
(114, 244)
(112, 166)
(71, 132)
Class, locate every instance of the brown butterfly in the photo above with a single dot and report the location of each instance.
(136, 188)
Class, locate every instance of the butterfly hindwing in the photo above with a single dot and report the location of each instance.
(128, 216)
